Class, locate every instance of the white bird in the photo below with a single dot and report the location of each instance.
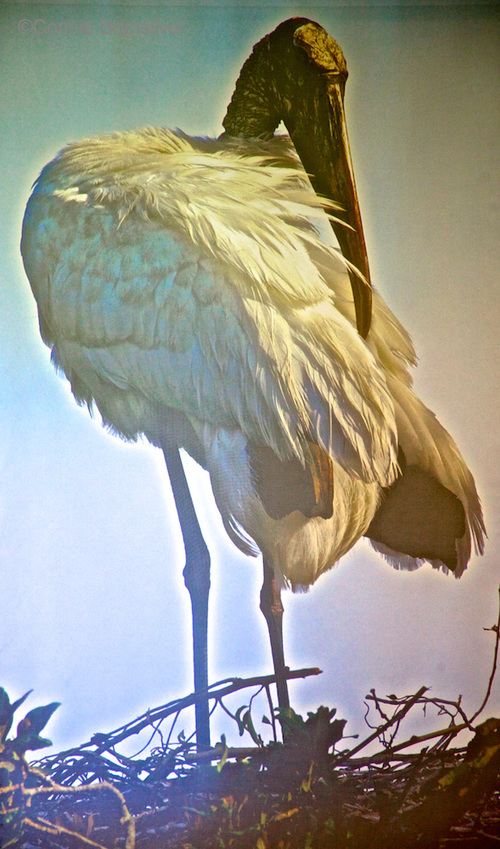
(193, 291)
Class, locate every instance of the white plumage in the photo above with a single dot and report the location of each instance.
(193, 291)
(198, 276)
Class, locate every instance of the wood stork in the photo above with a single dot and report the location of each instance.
(192, 290)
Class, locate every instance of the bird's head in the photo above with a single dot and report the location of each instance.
(297, 74)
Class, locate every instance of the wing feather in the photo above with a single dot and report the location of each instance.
(201, 276)
(188, 280)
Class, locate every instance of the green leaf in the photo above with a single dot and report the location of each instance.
(7, 711)
(5, 714)
(19, 702)
(239, 720)
(250, 727)
(4, 704)
(29, 741)
(36, 719)
(225, 752)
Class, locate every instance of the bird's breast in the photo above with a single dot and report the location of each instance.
(299, 547)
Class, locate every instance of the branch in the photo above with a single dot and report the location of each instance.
(398, 716)
(49, 828)
(126, 818)
(496, 629)
(105, 742)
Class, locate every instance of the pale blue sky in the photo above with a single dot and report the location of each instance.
(94, 612)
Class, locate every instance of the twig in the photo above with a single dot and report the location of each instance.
(126, 818)
(398, 716)
(271, 711)
(428, 700)
(451, 731)
(496, 629)
(232, 752)
(49, 828)
(106, 742)
(491, 837)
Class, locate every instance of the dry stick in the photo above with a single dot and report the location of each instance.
(388, 756)
(414, 740)
(234, 686)
(271, 712)
(396, 718)
(107, 742)
(126, 818)
(103, 742)
(372, 696)
(170, 733)
(450, 732)
(491, 837)
(49, 828)
(447, 733)
(436, 701)
(443, 705)
(495, 628)
(240, 753)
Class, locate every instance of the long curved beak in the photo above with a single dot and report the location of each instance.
(297, 74)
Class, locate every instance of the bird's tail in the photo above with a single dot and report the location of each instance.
(432, 512)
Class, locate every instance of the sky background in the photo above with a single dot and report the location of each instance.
(93, 611)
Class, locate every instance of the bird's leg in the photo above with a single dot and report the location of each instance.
(272, 608)
(197, 579)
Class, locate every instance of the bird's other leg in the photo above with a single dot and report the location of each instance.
(272, 608)
(197, 579)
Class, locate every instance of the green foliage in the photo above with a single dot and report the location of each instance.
(244, 720)
(7, 712)
(317, 734)
(28, 730)
(15, 774)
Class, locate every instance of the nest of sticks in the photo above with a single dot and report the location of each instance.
(311, 792)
